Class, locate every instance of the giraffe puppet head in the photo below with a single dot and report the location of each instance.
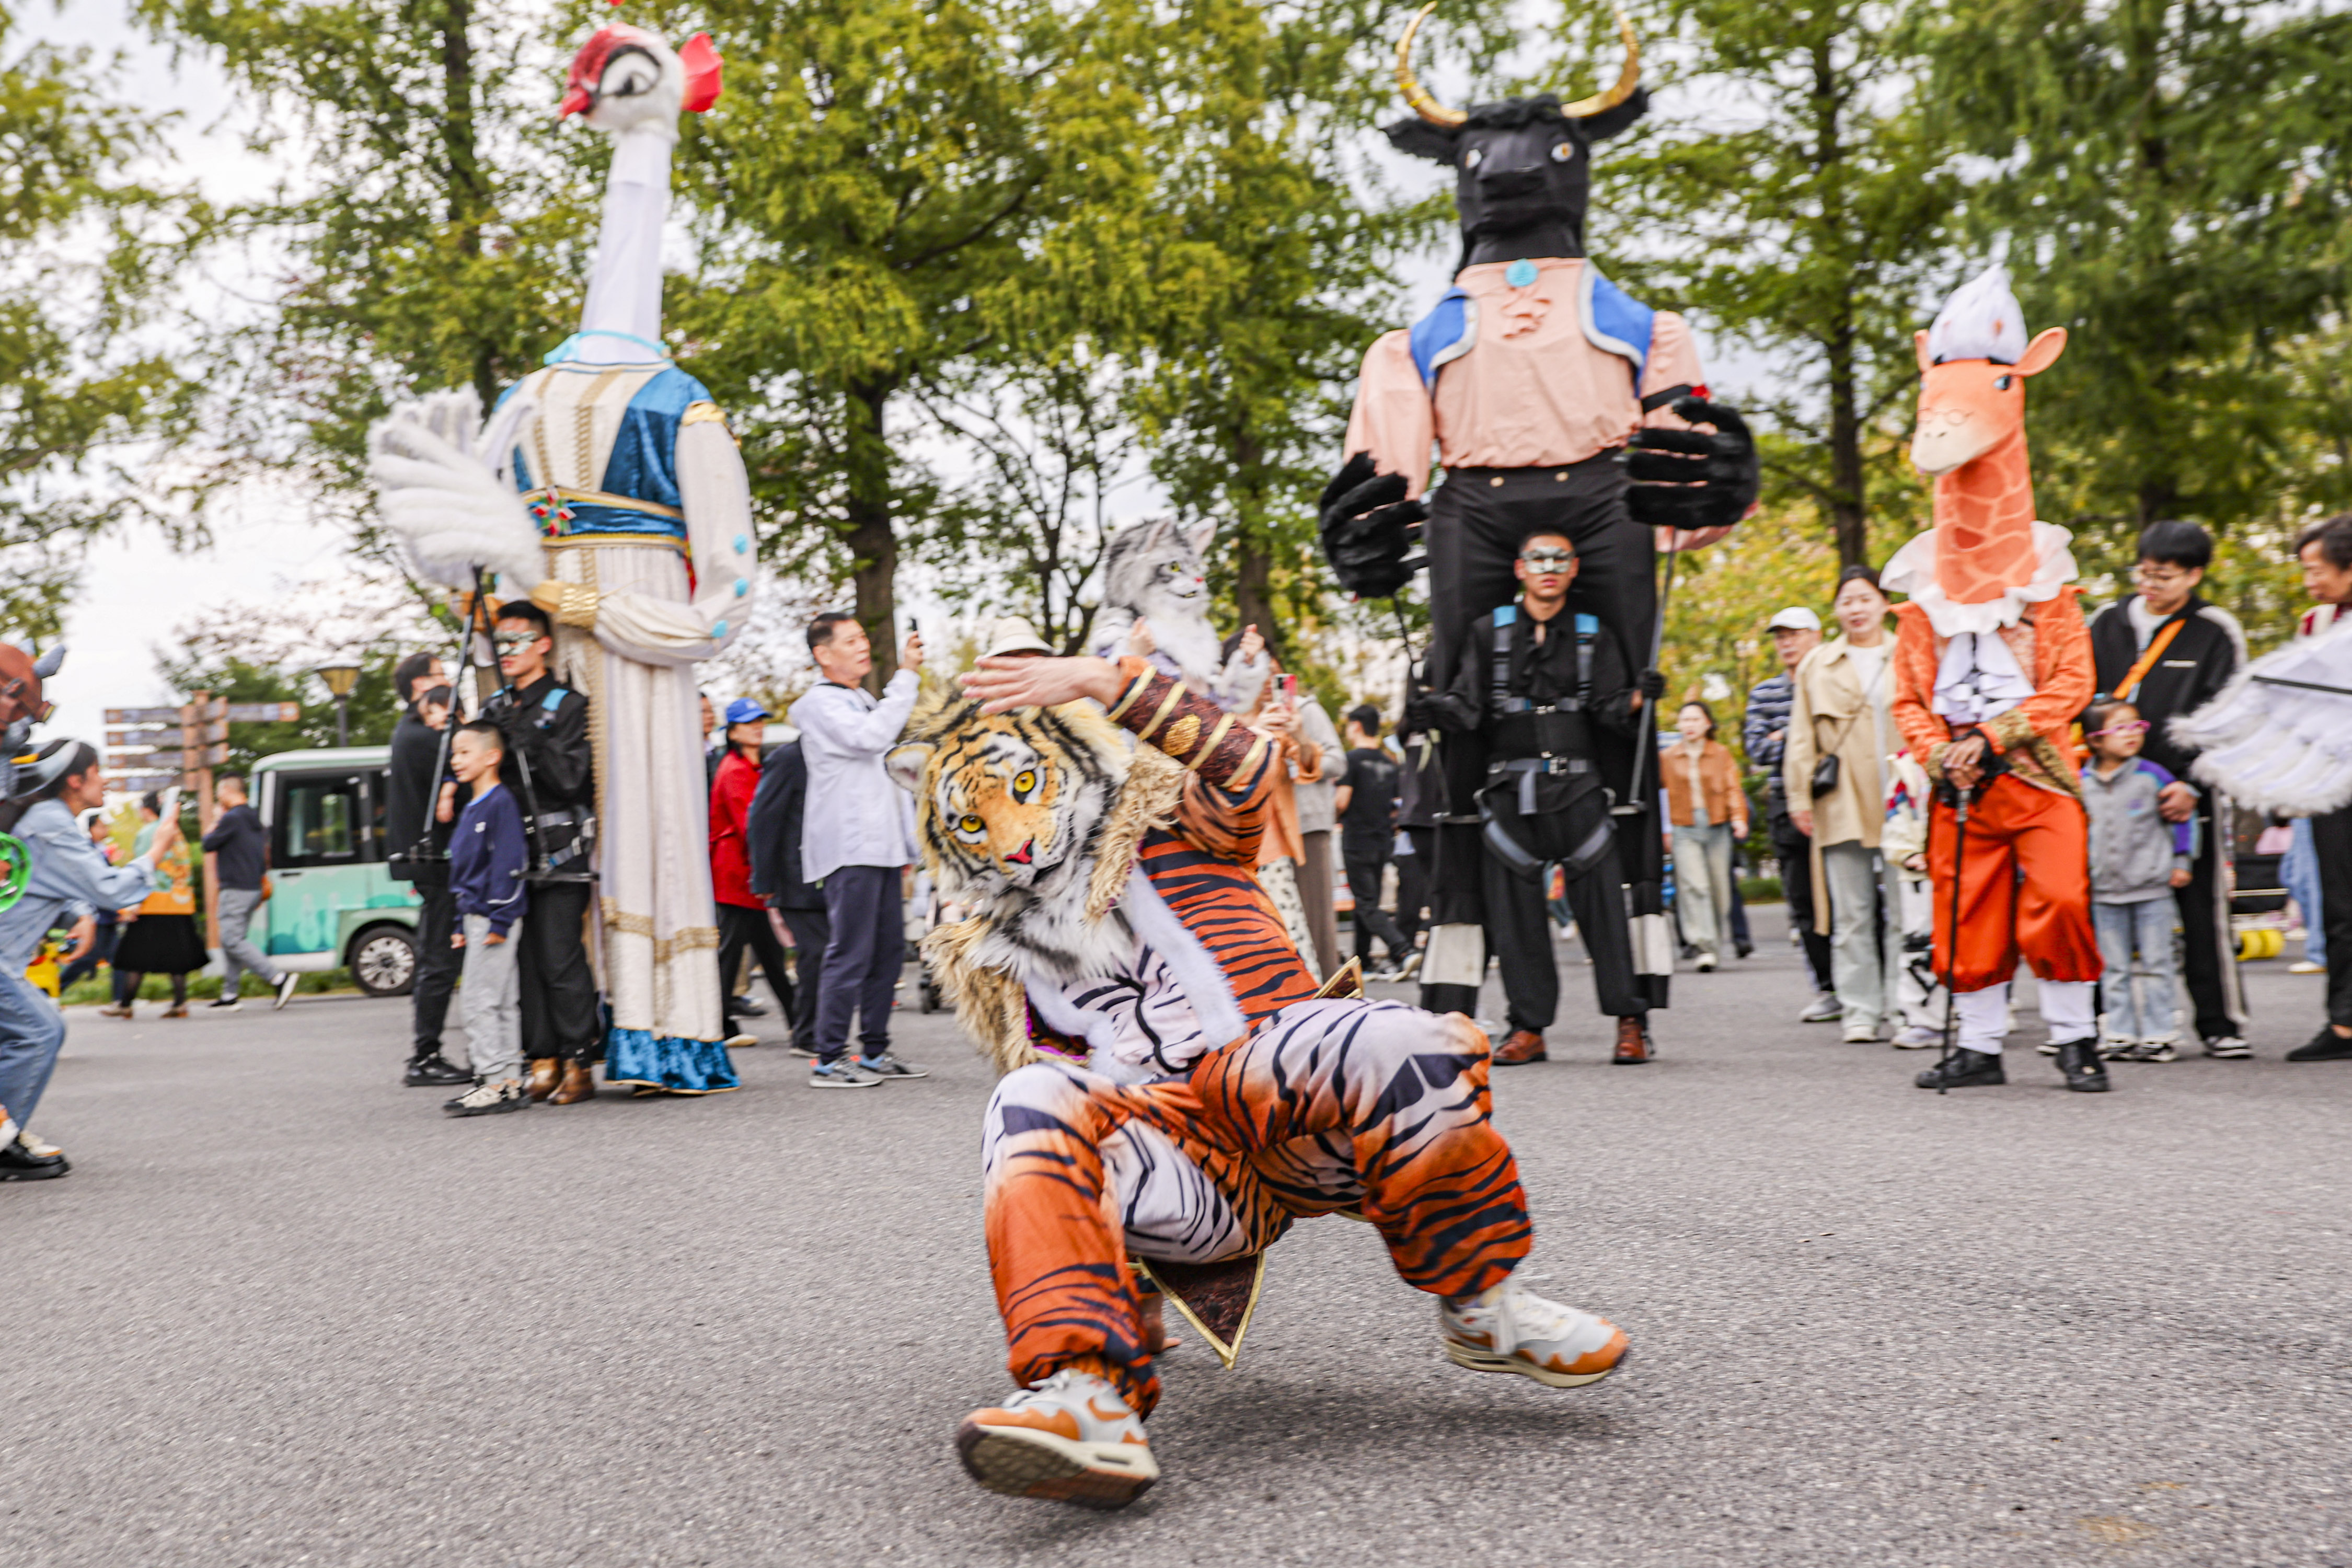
(1973, 362)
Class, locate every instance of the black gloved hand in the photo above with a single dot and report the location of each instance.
(1651, 684)
(1366, 523)
(1690, 478)
(1420, 714)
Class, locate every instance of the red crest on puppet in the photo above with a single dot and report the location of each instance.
(700, 57)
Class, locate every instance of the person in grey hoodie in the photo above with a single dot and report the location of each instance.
(2137, 858)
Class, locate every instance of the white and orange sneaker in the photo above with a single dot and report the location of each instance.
(1512, 1329)
(1070, 1439)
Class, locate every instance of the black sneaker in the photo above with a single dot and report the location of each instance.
(434, 1072)
(1964, 1069)
(745, 1007)
(2326, 1046)
(18, 1163)
(286, 987)
(230, 1004)
(489, 1098)
(2085, 1073)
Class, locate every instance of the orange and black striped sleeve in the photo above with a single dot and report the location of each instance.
(1223, 750)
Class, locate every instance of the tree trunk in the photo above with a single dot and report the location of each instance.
(1848, 507)
(468, 195)
(873, 544)
(1253, 557)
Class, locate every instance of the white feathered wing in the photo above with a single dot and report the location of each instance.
(2285, 750)
(441, 489)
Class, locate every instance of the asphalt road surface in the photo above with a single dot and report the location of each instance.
(285, 1312)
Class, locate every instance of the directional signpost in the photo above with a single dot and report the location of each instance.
(152, 749)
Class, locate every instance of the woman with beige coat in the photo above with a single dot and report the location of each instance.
(1841, 731)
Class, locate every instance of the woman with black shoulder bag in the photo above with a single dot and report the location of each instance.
(1840, 731)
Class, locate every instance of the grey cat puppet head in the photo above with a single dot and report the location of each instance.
(1153, 572)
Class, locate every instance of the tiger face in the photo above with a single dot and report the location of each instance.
(1009, 801)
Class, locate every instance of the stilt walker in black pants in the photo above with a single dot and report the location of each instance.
(1554, 399)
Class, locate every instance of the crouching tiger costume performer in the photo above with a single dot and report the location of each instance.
(1174, 1090)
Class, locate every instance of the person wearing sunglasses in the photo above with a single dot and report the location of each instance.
(546, 730)
(1539, 684)
(2167, 651)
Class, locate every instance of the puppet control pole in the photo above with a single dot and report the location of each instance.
(1952, 942)
(1642, 753)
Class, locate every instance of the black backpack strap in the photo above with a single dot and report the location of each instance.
(1499, 676)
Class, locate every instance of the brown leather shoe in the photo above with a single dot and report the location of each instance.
(546, 1072)
(1634, 1046)
(579, 1084)
(1521, 1048)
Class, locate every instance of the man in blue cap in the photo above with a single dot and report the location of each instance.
(742, 914)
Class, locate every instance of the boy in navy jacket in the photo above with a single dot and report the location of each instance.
(488, 856)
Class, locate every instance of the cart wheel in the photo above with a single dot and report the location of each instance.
(383, 961)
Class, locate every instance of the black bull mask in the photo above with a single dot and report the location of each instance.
(1522, 166)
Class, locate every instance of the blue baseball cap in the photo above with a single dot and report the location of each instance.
(743, 710)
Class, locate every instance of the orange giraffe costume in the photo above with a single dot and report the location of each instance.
(1992, 653)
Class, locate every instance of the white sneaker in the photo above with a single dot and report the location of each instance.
(1825, 1009)
(1705, 963)
(489, 1098)
(1916, 1037)
(2304, 966)
(739, 1042)
(2228, 1048)
(285, 984)
(39, 1148)
(1512, 1329)
(843, 1074)
(1070, 1439)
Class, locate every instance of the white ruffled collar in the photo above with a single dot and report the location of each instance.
(1912, 570)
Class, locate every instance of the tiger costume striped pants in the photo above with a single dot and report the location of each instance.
(1327, 1105)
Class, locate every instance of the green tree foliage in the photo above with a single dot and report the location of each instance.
(892, 194)
(80, 240)
(1802, 207)
(432, 237)
(2171, 184)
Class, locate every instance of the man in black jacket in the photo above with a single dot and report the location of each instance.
(550, 766)
(1540, 684)
(419, 849)
(2166, 652)
(773, 830)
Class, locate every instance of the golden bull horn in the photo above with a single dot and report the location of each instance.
(1423, 103)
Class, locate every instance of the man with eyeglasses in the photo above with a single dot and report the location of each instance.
(1539, 685)
(2167, 651)
(546, 727)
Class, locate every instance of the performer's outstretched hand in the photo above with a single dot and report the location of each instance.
(1366, 523)
(1003, 684)
(1696, 482)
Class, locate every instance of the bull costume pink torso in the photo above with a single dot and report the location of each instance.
(1552, 400)
(1175, 1090)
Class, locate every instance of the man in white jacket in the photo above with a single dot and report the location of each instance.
(854, 844)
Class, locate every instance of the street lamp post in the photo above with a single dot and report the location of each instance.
(339, 679)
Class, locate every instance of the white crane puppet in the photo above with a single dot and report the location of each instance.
(608, 488)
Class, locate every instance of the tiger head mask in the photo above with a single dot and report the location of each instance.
(1029, 819)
